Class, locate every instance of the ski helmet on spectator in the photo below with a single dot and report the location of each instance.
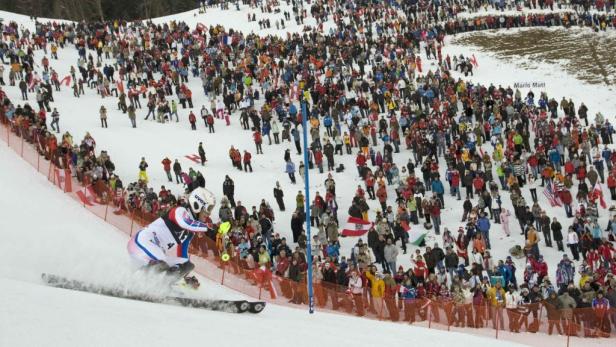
(200, 199)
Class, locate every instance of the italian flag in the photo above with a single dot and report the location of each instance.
(356, 227)
(415, 236)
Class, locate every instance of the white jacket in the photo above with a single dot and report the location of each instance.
(355, 285)
(572, 238)
(512, 300)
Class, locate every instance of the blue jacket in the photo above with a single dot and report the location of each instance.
(437, 187)
(409, 293)
(554, 156)
(606, 154)
(290, 167)
(327, 121)
(265, 129)
(483, 224)
(292, 110)
(333, 251)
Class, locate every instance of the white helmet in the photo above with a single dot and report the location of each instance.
(200, 199)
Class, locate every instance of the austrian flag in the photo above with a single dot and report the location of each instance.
(356, 227)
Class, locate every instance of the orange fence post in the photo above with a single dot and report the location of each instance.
(381, 310)
(568, 331)
(22, 143)
(38, 162)
(106, 208)
(224, 269)
(429, 315)
(132, 221)
(496, 317)
(49, 171)
(8, 136)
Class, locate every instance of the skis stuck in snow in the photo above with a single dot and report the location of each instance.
(230, 306)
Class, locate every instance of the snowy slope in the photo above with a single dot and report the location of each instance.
(44, 231)
(155, 141)
(97, 253)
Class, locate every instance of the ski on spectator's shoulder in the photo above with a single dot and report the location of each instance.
(230, 306)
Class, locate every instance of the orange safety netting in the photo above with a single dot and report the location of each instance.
(246, 278)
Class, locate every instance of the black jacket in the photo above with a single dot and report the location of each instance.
(451, 260)
(177, 167)
(228, 187)
(278, 193)
(557, 231)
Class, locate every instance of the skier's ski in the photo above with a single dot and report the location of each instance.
(231, 306)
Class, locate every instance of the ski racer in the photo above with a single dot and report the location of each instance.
(153, 246)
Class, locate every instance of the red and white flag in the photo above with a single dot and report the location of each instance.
(474, 61)
(598, 193)
(356, 227)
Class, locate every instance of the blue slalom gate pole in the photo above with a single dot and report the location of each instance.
(307, 204)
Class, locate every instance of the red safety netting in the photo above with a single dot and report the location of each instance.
(512, 324)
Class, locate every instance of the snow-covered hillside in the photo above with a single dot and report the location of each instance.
(155, 141)
(44, 231)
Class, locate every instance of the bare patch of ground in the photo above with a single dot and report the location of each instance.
(589, 56)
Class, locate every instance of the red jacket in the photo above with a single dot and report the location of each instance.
(420, 269)
(455, 178)
(257, 137)
(435, 210)
(478, 183)
(370, 181)
(540, 268)
(569, 169)
(605, 252)
(360, 160)
(166, 164)
(247, 157)
(611, 181)
(318, 157)
(565, 197)
(381, 194)
(581, 173)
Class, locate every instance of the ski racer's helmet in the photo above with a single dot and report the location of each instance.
(200, 199)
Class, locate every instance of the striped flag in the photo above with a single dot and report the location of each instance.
(356, 227)
(598, 193)
(550, 193)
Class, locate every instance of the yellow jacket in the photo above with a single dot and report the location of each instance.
(496, 297)
(378, 285)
